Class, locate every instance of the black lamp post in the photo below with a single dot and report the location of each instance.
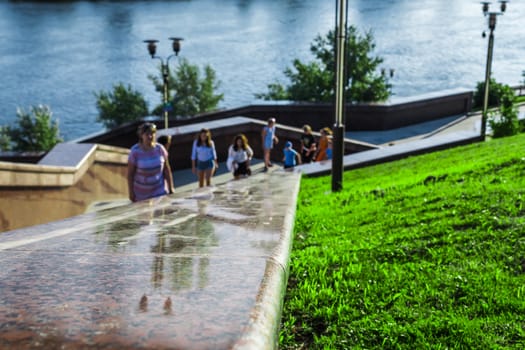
(152, 49)
(339, 126)
(391, 72)
(492, 25)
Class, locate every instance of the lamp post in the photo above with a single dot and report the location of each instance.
(492, 25)
(152, 49)
(339, 126)
(391, 72)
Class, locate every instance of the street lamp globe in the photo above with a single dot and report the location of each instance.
(176, 44)
(152, 46)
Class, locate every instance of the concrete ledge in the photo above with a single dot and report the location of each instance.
(63, 166)
(203, 269)
(63, 185)
(394, 152)
(263, 330)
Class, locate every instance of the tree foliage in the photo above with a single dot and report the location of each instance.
(35, 131)
(505, 121)
(314, 81)
(496, 90)
(121, 105)
(192, 92)
(5, 139)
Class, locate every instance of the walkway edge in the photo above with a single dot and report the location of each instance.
(262, 331)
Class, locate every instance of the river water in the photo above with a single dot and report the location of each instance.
(60, 52)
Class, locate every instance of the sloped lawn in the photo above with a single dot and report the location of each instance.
(422, 253)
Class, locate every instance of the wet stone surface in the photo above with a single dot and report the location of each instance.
(177, 272)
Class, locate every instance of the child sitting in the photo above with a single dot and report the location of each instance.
(290, 156)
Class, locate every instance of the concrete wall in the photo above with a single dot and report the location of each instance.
(223, 132)
(394, 114)
(32, 194)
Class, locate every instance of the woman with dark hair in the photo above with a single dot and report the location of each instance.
(240, 154)
(204, 157)
(165, 140)
(149, 172)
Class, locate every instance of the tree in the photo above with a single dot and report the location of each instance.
(191, 92)
(314, 81)
(505, 122)
(495, 92)
(5, 140)
(121, 105)
(36, 131)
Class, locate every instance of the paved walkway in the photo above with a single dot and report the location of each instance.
(412, 140)
(201, 269)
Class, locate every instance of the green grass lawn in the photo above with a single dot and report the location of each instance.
(422, 253)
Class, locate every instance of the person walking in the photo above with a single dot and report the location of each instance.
(204, 157)
(149, 172)
(268, 140)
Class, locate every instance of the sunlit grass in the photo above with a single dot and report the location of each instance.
(422, 253)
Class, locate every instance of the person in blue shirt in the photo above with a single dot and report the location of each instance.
(204, 157)
(268, 140)
(291, 157)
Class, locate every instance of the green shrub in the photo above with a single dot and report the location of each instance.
(495, 91)
(505, 122)
(36, 131)
(314, 81)
(191, 91)
(5, 140)
(121, 105)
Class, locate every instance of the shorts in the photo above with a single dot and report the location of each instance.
(205, 165)
(268, 143)
(242, 169)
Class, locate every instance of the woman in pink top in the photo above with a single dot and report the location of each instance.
(149, 172)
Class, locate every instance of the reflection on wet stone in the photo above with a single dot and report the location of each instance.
(180, 271)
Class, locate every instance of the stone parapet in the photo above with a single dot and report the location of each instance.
(204, 269)
(64, 183)
(394, 113)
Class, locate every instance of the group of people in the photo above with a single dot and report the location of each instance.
(312, 151)
(149, 171)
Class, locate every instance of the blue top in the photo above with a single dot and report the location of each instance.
(203, 153)
(328, 153)
(268, 138)
(289, 157)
